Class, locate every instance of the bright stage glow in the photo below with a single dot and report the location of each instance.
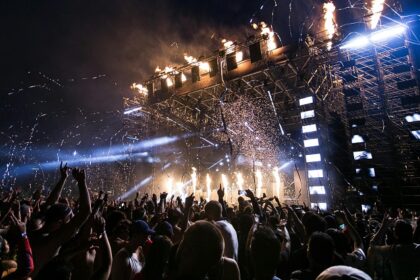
(311, 143)
(183, 77)
(277, 182)
(135, 188)
(376, 10)
(239, 180)
(316, 190)
(358, 155)
(357, 139)
(194, 179)
(170, 186)
(412, 118)
(357, 43)
(329, 9)
(239, 56)
(132, 110)
(208, 187)
(320, 205)
(313, 158)
(316, 173)
(387, 33)
(259, 177)
(416, 134)
(307, 114)
(306, 100)
(309, 128)
(375, 37)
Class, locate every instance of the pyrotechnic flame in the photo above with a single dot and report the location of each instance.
(140, 88)
(170, 186)
(194, 179)
(329, 25)
(277, 182)
(225, 182)
(180, 190)
(259, 178)
(204, 66)
(208, 187)
(266, 31)
(158, 70)
(239, 181)
(376, 10)
(190, 59)
(227, 43)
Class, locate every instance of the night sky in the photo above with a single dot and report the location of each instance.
(66, 65)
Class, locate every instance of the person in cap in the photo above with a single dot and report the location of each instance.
(343, 272)
(129, 261)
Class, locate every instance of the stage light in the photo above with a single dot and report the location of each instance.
(387, 33)
(358, 155)
(356, 43)
(306, 100)
(320, 205)
(412, 118)
(357, 139)
(311, 143)
(313, 158)
(315, 173)
(307, 114)
(309, 128)
(316, 190)
(416, 134)
(132, 110)
(375, 37)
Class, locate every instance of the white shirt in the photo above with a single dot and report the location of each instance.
(125, 265)
(230, 237)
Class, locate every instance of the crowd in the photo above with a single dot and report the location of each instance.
(159, 237)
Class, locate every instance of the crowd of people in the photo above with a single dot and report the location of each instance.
(155, 237)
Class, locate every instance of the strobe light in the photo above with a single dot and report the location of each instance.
(375, 37)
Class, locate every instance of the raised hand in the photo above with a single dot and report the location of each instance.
(63, 170)
(221, 192)
(79, 175)
(249, 194)
(189, 201)
(163, 195)
(17, 223)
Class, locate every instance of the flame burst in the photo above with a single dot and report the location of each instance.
(170, 186)
(277, 182)
(204, 66)
(239, 181)
(208, 186)
(194, 179)
(259, 177)
(140, 88)
(329, 10)
(266, 31)
(376, 10)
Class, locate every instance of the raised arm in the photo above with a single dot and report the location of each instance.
(68, 230)
(221, 194)
(187, 212)
(56, 192)
(104, 269)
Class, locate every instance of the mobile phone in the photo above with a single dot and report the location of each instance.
(342, 226)
(241, 192)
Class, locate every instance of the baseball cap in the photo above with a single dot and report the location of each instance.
(140, 226)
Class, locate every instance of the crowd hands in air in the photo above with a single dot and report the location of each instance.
(159, 237)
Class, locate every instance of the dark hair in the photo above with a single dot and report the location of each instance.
(265, 251)
(403, 232)
(321, 249)
(313, 223)
(157, 258)
(213, 208)
(340, 240)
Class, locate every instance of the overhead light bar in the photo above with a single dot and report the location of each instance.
(132, 110)
(375, 37)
